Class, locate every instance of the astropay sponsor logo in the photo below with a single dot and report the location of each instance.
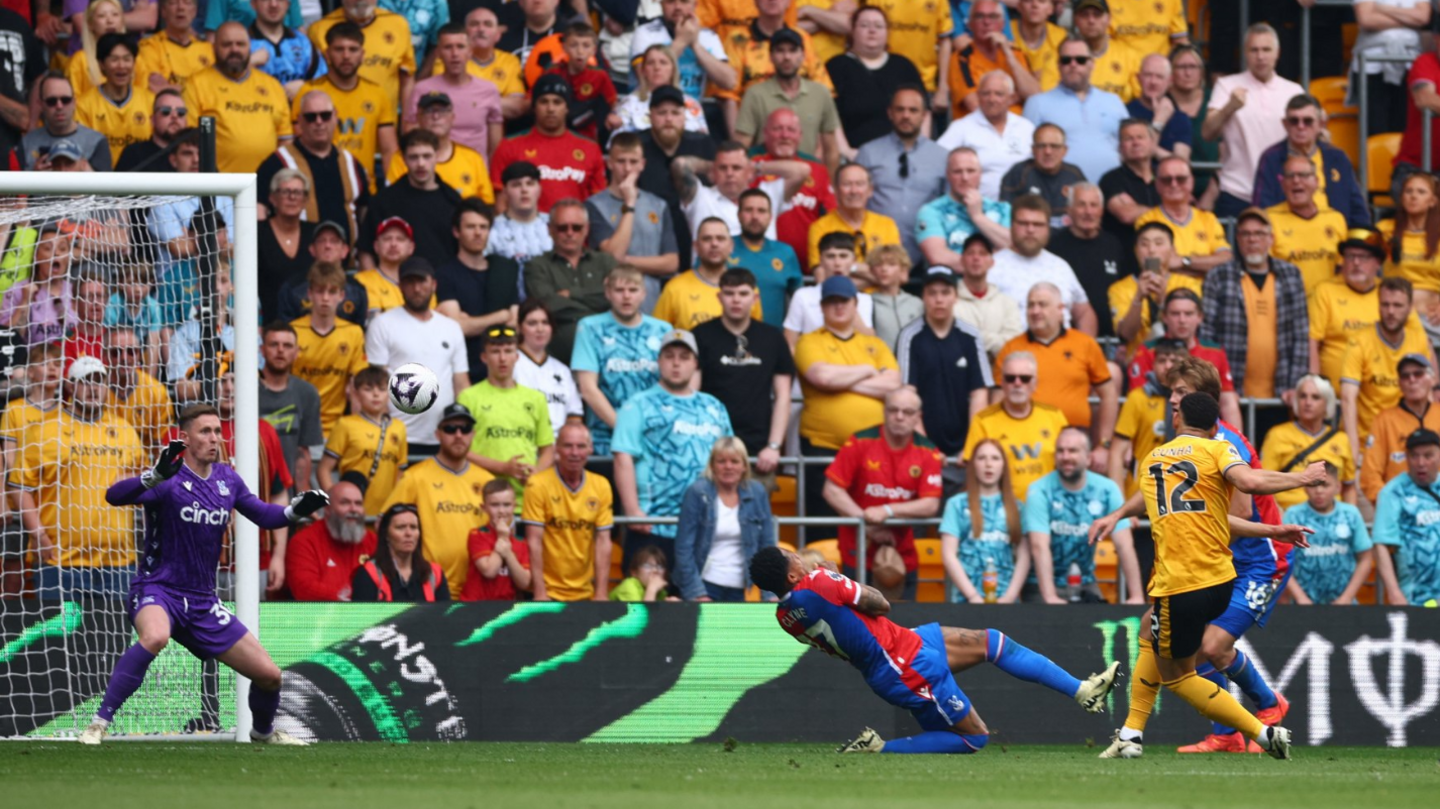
(1381, 676)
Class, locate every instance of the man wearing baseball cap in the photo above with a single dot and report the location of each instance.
(788, 89)
(457, 165)
(1385, 451)
(1407, 553)
(328, 244)
(569, 165)
(479, 111)
(662, 442)
(393, 243)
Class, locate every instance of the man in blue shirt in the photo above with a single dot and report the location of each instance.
(289, 55)
(1090, 116)
(1059, 509)
(774, 265)
(943, 224)
(1407, 520)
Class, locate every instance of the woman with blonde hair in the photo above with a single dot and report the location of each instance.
(101, 17)
(1314, 435)
(972, 549)
(632, 111)
(724, 519)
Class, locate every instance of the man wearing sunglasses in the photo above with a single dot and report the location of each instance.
(364, 115)
(1026, 428)
(339, 186)
(1333, 175)
(1117, 64)
(1200, 244)
(1089, 115)
(167, 118)
(57, 119)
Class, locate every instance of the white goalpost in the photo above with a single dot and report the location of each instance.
(56, 651)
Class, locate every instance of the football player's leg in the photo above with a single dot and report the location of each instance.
(950, 723)
(1144, 688)
(967, 647)
(1178, 630)
(1219, 647)
(152, 624)
(249, 659)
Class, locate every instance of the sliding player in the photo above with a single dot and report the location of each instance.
(188, 497)
(911, 669)
(1187, 486)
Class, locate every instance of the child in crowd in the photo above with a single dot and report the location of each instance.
(369, 444)
(647, 581)
(133, 306)
(837, 257)
(591, 91)
(499, 561)
(1339, 558)
(894, 308)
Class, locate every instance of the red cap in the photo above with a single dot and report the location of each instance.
(395, 222)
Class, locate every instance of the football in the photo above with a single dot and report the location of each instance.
(413, 388)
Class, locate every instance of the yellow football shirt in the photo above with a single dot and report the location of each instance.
(175, 62)
(828, 45)
(828, 419)
(327, 361)
(1068, 367)
(388, 50)
(875, 230)
(1029, 442)
(1284, 441)
(122, 124)
(251, 116)
(1045, 58)
(1187, 499)
(359, 113)
(1148, 26)
(67, 464)
(1202, 235)
(1260, 355)
(916, 28)
(382, 293)
(1370, 363)
(1423, 272)
(689, 300)
(353, 442)
(1123, 292)
(504, 71)
(78, 72)
(751, 60)
(1338, 314)
(1117, 70)
(148, 409)
(18, 417)
(450, 508)
(1311, 244)
(1142, 423)
(465, 172)
(571, 521)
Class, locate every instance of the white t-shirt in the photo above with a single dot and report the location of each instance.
(1014, 274)
(998, 151)
(709, 202)
(725, 563)
(396, 337)
(554, 380)
(804, 315)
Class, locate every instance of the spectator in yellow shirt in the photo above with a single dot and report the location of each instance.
(249, 106)
(693, 296)
(1024, 427)
(117, 108)
(457, 165)
(365, 124)
(390, 62)
(1117, 65)
(1368, 382)
(1307, 234)
(1314, 435)
(853, 190)
(1039, 39)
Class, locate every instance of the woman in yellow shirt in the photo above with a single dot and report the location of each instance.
(1314, 407)
(119, 109)
(1412, 241)
(101, 17)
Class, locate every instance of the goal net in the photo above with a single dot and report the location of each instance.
(118, 303)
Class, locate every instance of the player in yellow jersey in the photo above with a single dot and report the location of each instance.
(1186, 488)
(369, 444)
(568, 517)
(365, 124)
(251, 113)
(390, 60)
(448, 491)
(331, 350)
(63, 469)
(169, 58)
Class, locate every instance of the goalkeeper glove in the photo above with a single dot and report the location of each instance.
(306, 503)
(171, 459)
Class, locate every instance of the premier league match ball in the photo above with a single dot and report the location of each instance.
(413, 388)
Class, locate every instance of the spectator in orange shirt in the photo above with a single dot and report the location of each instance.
(988, 50)
(499, 565)
(321, 556)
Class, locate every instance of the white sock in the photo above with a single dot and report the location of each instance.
(1266, 738)
(100, 720)
(1131, 735)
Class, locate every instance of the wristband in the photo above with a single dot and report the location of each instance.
(889, 512)
(624, 209)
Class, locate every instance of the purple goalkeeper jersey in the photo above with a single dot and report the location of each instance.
(185, 522)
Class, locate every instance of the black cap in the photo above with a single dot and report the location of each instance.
(519, 170)
(455, 410)
(434, 97)
(331, 224)
(785, 35)
(940, 275)
(666, 93)
(551, 84)
(977, 238)
(1422, 438)
(1084, 4)
(1364, 239)
(416, 267)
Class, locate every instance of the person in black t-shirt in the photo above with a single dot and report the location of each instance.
(1096, 255)
(21, 62)
(1130, 188)
(739, 357)
(167, 119)
(282, 241)
(866, 76)
(475, 290)
(419, 197)
(328, 245)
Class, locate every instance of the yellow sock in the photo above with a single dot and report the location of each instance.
(1216, 704)
(1144, 688)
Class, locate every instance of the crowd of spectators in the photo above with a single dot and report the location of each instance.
(961, 252)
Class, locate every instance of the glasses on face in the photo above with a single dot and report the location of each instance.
(1409, 375)
(1251, 234)
(1308, 120)
(904, 166)
(312, 117)
(991, 17)
(1074, 60)
(178, 112)
(59, 101)
(903, 411)
(1298, 175)
(500, 331)
(1172, 179)
(567, 227)
(453, 429)
(293, 193)
(1019, 379)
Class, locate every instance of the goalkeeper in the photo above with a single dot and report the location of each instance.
(188, 497)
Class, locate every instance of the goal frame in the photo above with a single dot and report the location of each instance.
(241, 188)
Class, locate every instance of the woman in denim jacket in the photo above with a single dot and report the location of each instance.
(724, 519)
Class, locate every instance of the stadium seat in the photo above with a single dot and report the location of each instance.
(782, 504)
(1380, 151)
(829, 548)
(931, 588)
(1342, 120)
(1330, 92)
(1107, 570)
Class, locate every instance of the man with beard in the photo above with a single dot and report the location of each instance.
(391, 61)
(1026, 263)
(907, 169)
(773, 264)
(363, 116)
(135, 396)
(289, 403)
(248, 106)
(730, 173)
(167, 118)
(661, 145)
(339, 188)
(787, 89)
(813, 195)
(321, 556)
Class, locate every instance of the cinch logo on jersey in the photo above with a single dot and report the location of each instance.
(193, 513)
(627, 366)
(892, 493)
(567, 173)
(702, 430)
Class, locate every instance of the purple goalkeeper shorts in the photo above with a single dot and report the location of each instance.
(199, 622)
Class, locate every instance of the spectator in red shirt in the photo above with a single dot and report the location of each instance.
(321, 556)
(883, 473)
(815, 197)
(593, 94)
(1181, 315)
(570, 166)
(500, 566)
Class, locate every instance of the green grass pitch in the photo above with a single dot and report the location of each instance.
(531, 776)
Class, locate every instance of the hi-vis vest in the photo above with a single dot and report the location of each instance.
(383, 584)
